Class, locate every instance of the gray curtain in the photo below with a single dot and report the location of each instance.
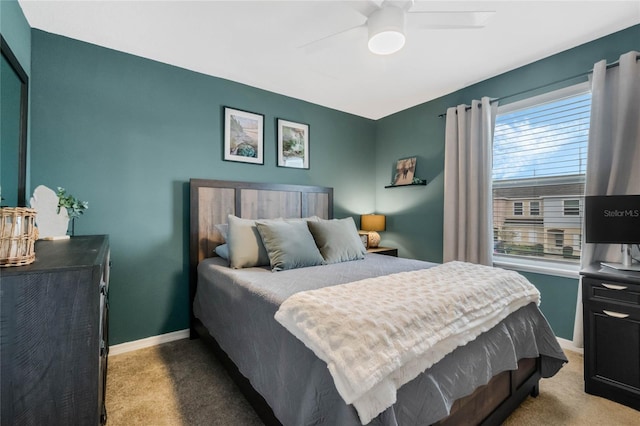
(613, 158)
(467, 229)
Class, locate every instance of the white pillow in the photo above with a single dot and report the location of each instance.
(245, 244)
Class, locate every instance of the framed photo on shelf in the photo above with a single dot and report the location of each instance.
(404, 171)
(243, 136)
(293, 144)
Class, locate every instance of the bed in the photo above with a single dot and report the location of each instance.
(481, 382)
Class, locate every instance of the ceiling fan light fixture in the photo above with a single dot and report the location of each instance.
(386, 30)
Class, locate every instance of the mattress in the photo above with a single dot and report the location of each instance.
(237, 306)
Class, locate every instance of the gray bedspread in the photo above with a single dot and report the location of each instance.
(238, 306)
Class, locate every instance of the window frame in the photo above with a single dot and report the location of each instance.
(537, 208)
(524, 263)
(570, 210)
(518, 208)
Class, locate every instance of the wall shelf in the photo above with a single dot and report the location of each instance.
(423, 182)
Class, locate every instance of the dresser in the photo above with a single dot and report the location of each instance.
(611, 312)
(54, 335)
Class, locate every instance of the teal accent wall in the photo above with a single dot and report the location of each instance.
(558, 301)
(16, 31)
(126, 134)
(415, 214)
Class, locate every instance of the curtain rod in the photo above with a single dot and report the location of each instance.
(582, 74)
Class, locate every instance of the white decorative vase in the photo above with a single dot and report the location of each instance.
(51, 223)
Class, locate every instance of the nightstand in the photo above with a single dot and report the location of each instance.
(384, 250)
(611, 301)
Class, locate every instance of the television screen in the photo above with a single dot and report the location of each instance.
(612, 219)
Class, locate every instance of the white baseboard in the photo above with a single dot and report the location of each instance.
(568, 345)
(183, 334)
(148, 342)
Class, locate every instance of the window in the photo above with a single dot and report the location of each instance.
(558, 237)
(534, 208)
(517, 208)
(571, 207)
(539, 161)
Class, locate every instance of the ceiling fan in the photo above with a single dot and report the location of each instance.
(386, 24)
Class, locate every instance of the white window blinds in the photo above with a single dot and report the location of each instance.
(539, 160)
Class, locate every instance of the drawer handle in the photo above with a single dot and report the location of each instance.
(614, 287)
(615, 314)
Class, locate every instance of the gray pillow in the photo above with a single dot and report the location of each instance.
(337, 239)
(304, 219)
(223, 229)
(245, 244)
(289, 245)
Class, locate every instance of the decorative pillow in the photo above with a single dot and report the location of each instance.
(223, 229)
(303, 219)
(223, 251)
(337, 239)
(245, 244)
(289, 245)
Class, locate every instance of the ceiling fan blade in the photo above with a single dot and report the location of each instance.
(449, 20)
(367, 7)
(349, 36)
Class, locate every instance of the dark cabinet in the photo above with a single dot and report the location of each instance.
(389, 251)
(54, 334)
(611, 302)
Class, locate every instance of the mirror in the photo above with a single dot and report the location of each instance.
(13, 131)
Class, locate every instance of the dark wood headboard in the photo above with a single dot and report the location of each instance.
(211, 201)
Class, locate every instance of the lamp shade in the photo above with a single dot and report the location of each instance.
(386, 30)
(373, 222)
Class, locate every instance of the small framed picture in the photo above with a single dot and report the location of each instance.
(293, 144)
(243, 136)
(364, 237)
(404, 172)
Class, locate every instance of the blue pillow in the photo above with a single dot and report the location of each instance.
(223, 251)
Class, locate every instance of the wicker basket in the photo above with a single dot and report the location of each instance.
(18, 236)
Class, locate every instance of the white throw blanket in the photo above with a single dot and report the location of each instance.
(379, 333)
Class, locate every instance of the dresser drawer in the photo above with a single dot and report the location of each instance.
(612, 291)
(613, 310)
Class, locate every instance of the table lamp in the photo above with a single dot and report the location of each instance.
(373, 223)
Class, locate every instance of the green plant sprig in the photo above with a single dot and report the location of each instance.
(74, 207)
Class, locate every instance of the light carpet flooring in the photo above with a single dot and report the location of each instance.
(182, 383)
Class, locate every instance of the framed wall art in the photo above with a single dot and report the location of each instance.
(243, 136)
(405, 169)
(404, 173)
(293, 144)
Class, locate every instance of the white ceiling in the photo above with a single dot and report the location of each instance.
(258, 43)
